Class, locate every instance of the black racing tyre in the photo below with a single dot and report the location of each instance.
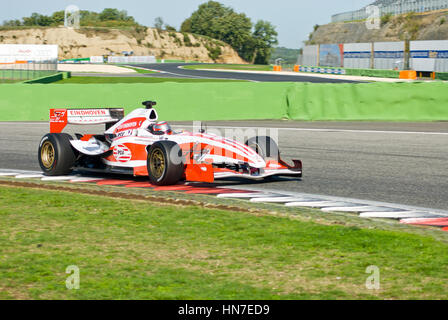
(165, 164)
(265, 146)
(56, 154)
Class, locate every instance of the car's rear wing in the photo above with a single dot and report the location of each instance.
(59, 118)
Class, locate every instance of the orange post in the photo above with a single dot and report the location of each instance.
(408, 74)
(296, 68)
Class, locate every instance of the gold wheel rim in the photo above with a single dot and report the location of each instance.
(47, 154)
(157, 163)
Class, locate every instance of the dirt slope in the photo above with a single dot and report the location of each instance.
(424, 26)
(86, 42)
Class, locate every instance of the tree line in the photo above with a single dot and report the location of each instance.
(107, 18)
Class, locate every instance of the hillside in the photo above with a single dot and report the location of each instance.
(288, 55)
(414, 26)
(86, 42)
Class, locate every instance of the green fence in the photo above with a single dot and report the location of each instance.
(419, 101)
(18, 72)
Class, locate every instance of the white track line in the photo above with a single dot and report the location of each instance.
(326, 130)
(278, 199)
(356, 209)
(317, 204)
(85, 179)
(58, 178)
(248, 195)
(184, 76)
(398, 215)
(29, 175)
(6, 174)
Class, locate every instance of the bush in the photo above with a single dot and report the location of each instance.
(187, 40)
(386, 19)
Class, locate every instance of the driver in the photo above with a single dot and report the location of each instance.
(160, 128)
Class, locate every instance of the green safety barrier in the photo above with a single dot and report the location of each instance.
(50, 78)
(442, 75)
(418, 101)
(373, 73)
(176, 101)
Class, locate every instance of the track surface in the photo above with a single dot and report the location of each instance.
(173, 70)
(405, 163)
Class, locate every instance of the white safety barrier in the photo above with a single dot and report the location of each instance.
(357, 55)
(10, 53)
(132, 59)
(96, 59)
(389, 55)
(429, 55)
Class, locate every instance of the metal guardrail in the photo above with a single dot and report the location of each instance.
(399, 7)
(22, 71)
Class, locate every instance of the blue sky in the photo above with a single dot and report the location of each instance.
(294, 19)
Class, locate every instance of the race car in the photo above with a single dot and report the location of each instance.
(141, 145)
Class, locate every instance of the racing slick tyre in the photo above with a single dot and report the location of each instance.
(265, 146)
(164, 163)
(56, 155)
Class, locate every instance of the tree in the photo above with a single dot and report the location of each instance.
(265, 38)
(110, 14)
(32, 20)
(58, 18)
(158, 23)
(12, 23)
(107, 18)
(169, 28)
(214, 20)
(186, 26)
(217, 21)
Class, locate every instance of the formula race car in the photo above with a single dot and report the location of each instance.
(140, 145)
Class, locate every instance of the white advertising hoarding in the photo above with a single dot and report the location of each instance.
(389, 55)
(357, 55)
(10, 53)
(429, 55)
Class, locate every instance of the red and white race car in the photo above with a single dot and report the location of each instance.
(138, 144)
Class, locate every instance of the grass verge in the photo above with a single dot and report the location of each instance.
(90, 80)
(139, 70)
(250, 67)
(135, 249)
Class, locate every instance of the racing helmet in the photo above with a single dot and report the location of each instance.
(161, 128)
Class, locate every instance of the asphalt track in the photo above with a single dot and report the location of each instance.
(173, 70)
(404, 163)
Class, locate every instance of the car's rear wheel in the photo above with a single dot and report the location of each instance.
(165, 164)
(265, 146)
(56, 155)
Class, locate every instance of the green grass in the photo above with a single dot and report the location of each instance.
(90, 80)
(11, 76)
(138, 250)
(252, 67)
(9, 81)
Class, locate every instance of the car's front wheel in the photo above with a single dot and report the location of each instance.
(265, 146)
(164, 163)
